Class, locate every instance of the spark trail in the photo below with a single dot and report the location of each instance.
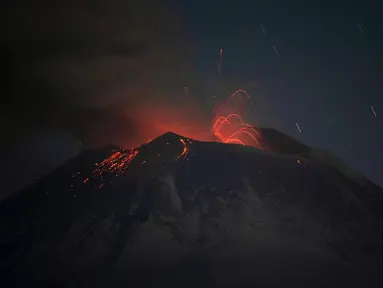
(360, 29)
(219, 66)
(299, 129)
(263, 30)
(373, 111)
(275, 50)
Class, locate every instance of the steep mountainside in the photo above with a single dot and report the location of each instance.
(178, 212)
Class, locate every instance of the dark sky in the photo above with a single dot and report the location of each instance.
(326, 77)
(63, 59)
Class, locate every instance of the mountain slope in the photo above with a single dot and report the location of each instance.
(181, 212)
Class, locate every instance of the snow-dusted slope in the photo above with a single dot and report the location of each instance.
(188, 213)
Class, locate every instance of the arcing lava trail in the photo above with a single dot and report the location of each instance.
(229, 125)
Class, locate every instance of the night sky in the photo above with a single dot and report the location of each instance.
(63, 58)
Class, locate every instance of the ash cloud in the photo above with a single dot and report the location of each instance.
(78, 67)
(101, 72)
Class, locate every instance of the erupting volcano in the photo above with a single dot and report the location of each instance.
(228, 126)
(296, 215)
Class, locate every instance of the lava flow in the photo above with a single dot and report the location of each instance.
(120, 161)
(229, 125)
(117, 163)
(185, 150)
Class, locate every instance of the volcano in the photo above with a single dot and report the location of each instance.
(176, 212)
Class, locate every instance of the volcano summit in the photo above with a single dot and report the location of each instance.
(176, 212)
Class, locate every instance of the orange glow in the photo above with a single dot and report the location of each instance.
(186, 119)
(229, 125)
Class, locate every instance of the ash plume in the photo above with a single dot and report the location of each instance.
(98, 73)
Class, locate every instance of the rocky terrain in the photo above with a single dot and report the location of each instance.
(178, 212)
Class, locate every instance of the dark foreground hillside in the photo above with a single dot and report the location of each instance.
(184, 213)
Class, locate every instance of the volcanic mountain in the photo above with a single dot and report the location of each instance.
(177, 212)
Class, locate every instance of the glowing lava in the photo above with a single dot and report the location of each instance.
(228, 124)
(185, 150)
(117, 163)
